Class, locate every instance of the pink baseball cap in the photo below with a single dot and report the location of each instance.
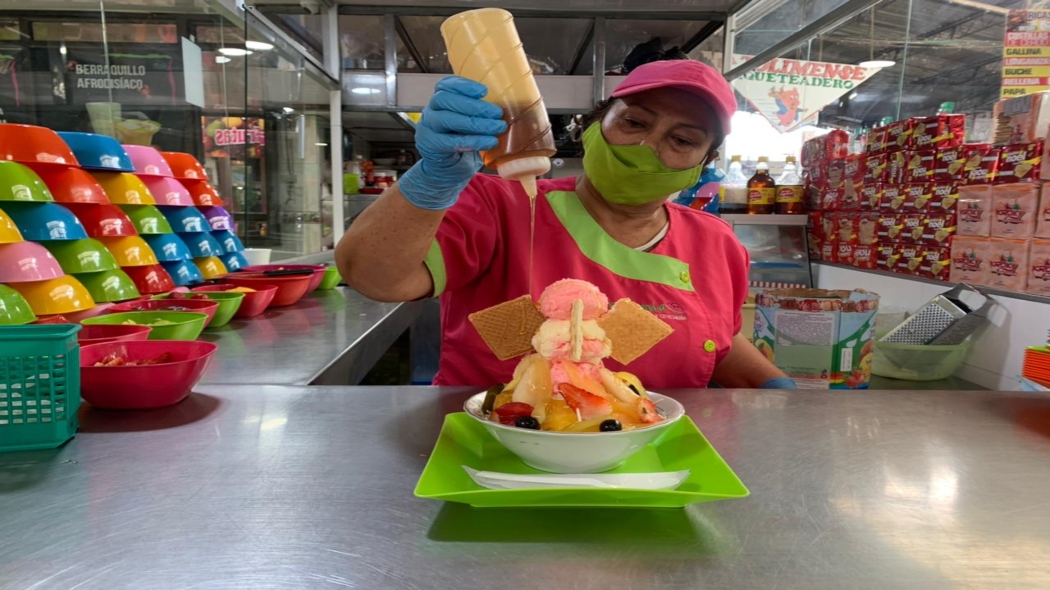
(692, 76)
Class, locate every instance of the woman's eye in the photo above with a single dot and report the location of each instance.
(632, 123)
(681, 141)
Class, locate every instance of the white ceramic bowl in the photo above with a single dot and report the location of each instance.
(571, 452)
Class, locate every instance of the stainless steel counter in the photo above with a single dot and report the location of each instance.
(328, 338)
(293, 487)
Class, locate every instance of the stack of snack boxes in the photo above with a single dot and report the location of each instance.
(922, 202)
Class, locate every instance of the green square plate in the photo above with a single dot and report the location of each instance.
(465, 442)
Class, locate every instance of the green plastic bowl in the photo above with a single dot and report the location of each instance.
(147, 219)
(109, 285)
(14, 310)
(229, 303)
(331, 278)
(185, 325)
(19, 183)
(80, 256)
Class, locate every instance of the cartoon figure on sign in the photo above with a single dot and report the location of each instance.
(789, 104)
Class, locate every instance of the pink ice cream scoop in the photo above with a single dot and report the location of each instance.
(556, 300)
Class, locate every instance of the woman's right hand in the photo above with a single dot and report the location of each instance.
(455, 126)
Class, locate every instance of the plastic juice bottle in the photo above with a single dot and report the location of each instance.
(732, 195)
(789, 190)
(483, 45)
(761, 190)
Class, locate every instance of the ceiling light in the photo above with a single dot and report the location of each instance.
(234, 51)
(364, 90)
(321, 144)
(222, 59)
(852, 96)
(288, 110)
(258, 45)
(877, 63)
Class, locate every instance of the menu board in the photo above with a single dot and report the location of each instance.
(131, 76)
(1026, 53)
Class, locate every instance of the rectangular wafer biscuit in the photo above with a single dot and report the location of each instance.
(632, 330)
(508, 328)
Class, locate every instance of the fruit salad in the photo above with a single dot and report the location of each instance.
(563, 386)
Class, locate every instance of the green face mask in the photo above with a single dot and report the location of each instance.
(630, 174)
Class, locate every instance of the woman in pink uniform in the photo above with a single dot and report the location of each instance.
(444, 230)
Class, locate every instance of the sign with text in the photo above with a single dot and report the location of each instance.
(231, 136)
(127, 77)
(791, 92)
(1026, 53)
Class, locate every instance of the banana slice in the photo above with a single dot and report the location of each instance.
(632, 382)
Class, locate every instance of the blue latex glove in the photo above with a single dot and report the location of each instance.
(455, 126)
(780, 383)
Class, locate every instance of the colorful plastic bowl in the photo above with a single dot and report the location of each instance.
(103, 221)
(130, 251)
(185, 220)
(123, 387)
(218, 218)
(56, 296)
(184, 166)
(234, 262)
(289, 289)
(203, 193)
(14, 309)
(124, 188)
(315, 278)
(211, 267)
(9, 233)
(229, 241)
(82, 256)
(45, 221)
(30, 143)
(108, 286)
(19, 182)
(27, 261)
(168, 191)
(167, 325)
(183, 272)
(152, 279)
(331, 278)
(71, 185)
(169, 247)
(148, 161)
(254, 303)
(228, 304)
(207, 307)
(202, 245)
(147, 219)
(75, 317)
(112, 333)
(97, 152)
(564, 452)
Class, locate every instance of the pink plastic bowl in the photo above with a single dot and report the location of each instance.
(146, 386)
(168, 191)
(148, 161)
(22, 262)
(205, 306)
(99, 333)
(315, 279)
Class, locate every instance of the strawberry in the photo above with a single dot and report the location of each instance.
(647, 411)
(589, 405)
(509, 413)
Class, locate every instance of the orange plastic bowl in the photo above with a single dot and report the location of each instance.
(184, 166)
(71, 185)
(103, 221)
(254, 303)
(30, 144)
(203, 194)
(289, 289)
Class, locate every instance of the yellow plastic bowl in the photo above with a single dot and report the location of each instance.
(124, 188)
(9, 233)
(130, 251)
(55, 296)
(211, 267)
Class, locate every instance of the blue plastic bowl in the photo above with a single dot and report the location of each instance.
(97, 152)
(168, 247)
(229, 241)
(186, 220)
(234, 261)
(45, 221)
(183, 272)
(202, 245)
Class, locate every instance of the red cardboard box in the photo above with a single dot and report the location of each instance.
(875, 167)
(896, 167)
(920, 165)
(939, 131)
(867, 228)
(866, 256)
(844, 253)
(949, 163)
(912, 227)
(829, 251)
(812, 152)
(844, 225)
(910, 258)
(870, 195)
(936, 263)
(836, 145)
(916, 196)
(889, 228)
(898, 135)
(939, 230)
(944, 197)
(886, 257)
(980, 163)
(892, 199)
(876, 141)
(1019, 162)
(831, 199)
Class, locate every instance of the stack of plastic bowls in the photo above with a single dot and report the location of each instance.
(23, 262)
(192, 226)
(96, 267)
(154, 170)
(138, 260)
(232, 249)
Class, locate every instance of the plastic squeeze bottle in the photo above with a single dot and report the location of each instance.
(483, 45)
(733, 193)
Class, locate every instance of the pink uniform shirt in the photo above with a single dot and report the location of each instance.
(695, 279)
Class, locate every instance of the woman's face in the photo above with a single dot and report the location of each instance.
(679, 126)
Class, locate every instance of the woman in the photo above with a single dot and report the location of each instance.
(444, 230)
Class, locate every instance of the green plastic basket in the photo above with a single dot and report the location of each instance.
(39, 386)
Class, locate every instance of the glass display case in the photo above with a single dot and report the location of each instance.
(778, 248)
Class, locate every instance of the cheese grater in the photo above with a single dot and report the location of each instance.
(944, 320)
